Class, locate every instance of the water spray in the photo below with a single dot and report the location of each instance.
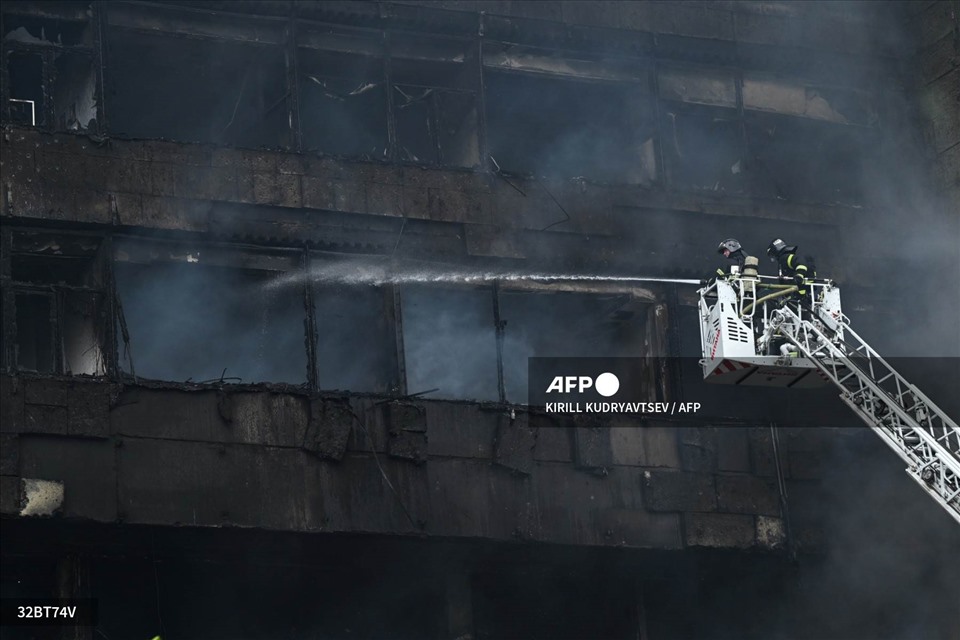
(351, 273)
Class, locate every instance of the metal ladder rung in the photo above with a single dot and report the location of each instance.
(847, 377)
(884, 378)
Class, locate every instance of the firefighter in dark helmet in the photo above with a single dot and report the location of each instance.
(791, 267)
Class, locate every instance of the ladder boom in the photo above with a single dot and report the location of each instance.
(907, 420)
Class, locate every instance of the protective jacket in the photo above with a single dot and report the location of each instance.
(792, 268)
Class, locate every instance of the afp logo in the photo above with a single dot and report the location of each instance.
(606, 384)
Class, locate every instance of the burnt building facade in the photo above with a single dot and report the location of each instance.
(267, 310)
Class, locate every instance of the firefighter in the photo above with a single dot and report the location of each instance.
(731, 250)
(791, 267)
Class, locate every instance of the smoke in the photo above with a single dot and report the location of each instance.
(189, 321)
(449, 336)
(892, 567)
(567, 128)
(355, 349)
(908, 249)
(342, 116)
(548, 324)
(450, 342)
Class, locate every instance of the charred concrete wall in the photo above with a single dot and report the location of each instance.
(229, 581)
(286, 461)
(202, 204)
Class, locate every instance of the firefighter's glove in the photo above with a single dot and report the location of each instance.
(799, 280)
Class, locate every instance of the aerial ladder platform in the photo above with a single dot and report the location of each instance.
(776, 340)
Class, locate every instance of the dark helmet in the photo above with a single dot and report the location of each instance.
(730, 245)
(777, 248)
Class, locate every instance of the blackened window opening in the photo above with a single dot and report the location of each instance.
(450, 342)
(60, 320)
(703, 147)
(343, 103)
(355, 348)
(25, 104)
(570, 325)
(36, 322)
(805, 160)
(197, 90)
(435, 126)
(74, 92)
(51, 71)
(434, 101)
(569, 128)
(206, 323)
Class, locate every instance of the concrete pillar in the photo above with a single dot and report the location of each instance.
(459, 599)
(73, 582)
(641, 615)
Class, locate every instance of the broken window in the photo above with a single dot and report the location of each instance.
(434, 105)
(805, 160)
(210, 314)
(356, 348)
(569, 324)
(343, 101)
(436, 127)
(234, 94)
(702, 147)
(25, 104)
(71, 29)
(568, 127)
(74, 92)
(59, 299)
(51, 71)
(449, 342)
(36, 320)
(83, 334)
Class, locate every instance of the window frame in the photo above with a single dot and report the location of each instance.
(56, 292)
(45, 113)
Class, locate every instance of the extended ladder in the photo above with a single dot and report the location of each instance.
(909, 422)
